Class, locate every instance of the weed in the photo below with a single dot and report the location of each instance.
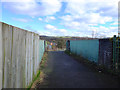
(39, 72)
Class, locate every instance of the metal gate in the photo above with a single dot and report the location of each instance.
(116, 53)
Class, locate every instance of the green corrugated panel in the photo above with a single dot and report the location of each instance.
(46, 45)
(87, 48)
(41, 49)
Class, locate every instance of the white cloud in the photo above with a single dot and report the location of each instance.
(21, 20)
(82, 13)
(16, 0)
(47, 33)
(55, 31)
(40, 19)
(78, 15)
(99, 32)
(63, 30)
(82, 22)
(92, 11)
(33, 8)
(115, 23)
(95, 18)
(67, 18)
(49, 18)
(50, 27)
(85, 6)
(74, 25)
(105, 31)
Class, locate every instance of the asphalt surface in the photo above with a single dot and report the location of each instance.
(64, 72)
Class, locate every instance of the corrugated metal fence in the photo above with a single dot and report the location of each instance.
(99, 50)
(20, 55)
(85, 48)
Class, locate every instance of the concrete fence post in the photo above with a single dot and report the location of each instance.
(0, 55)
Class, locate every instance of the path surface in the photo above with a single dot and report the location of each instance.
(65, 72)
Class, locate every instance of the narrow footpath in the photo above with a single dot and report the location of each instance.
(64, 72)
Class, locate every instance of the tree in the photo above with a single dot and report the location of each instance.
(61, 43)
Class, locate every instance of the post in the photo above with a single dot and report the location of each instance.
(114, 51)
(0, 55)
(117, 53)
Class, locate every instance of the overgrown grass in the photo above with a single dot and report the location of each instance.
(93, 65)
(42, 64)
(37, 76)
(34, 79)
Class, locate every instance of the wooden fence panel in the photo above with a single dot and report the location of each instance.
(7, 58)
(19, 56)
(1, 55)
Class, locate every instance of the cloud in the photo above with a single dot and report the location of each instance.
(105, 31)
(67, 18)
(33, 8)
(21, 20)
(49, 18)
(16, 0)
(40, 19)
(75, 25)
(104, 7)
(82, 13)
(115, 23)
(99, 32)
(95, 18)
(55, 31)
(83, 22)
(50, 27)
(91, 12)
(47, 33)
(0, 11)
(80, 17)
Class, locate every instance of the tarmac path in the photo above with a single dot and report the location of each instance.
(65, 72)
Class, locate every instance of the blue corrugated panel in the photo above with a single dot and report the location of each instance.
(66, 45)
(41, 49)
(89, 49)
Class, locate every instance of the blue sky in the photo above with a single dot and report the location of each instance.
(63, 17)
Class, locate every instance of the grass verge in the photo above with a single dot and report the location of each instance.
(39, 74)
(34, 79)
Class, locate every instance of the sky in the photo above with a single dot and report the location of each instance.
(83, 18)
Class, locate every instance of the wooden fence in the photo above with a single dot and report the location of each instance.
(19, 56)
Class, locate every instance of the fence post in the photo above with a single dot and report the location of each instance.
(0, 55)
(117, 53)
(114, 51)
